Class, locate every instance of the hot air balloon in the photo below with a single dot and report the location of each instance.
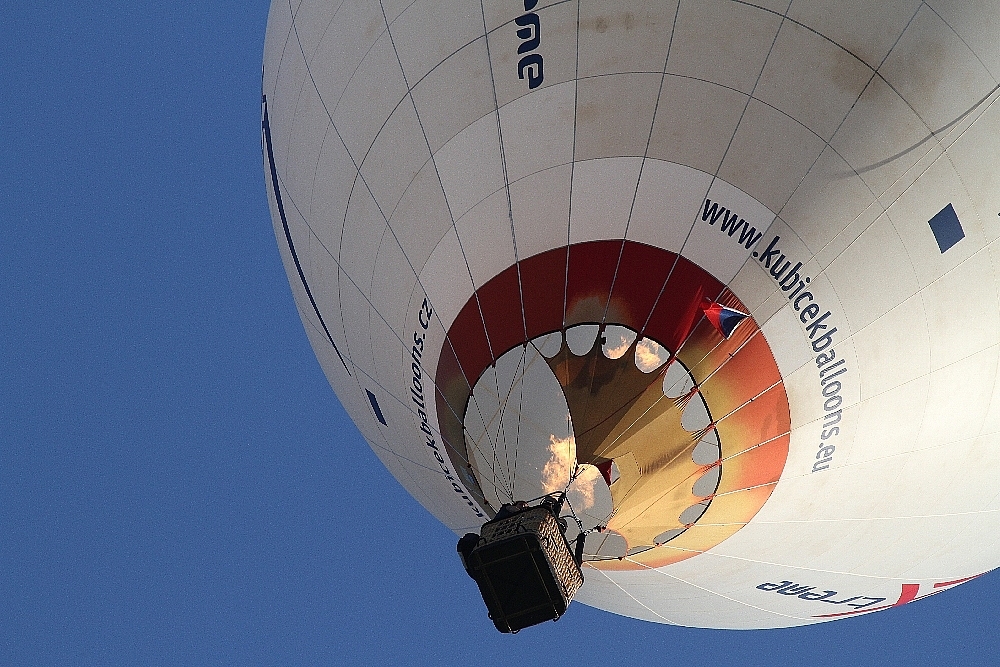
(723, 277)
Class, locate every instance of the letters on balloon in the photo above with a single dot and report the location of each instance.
(417, 395)
(820, 334)
(809, 593)
(530, 66)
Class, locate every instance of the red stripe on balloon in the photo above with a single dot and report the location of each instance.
(957, 581)
(908, 594)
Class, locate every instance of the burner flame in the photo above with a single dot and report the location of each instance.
(558, 470)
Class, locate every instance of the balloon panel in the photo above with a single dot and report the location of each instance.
(695, 262)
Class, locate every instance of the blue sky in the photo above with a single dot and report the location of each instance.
(178, 483)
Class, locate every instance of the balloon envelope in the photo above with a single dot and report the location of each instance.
(725, 273)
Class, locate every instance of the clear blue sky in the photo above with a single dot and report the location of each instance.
(178, 483)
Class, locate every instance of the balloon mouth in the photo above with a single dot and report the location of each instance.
(668, 437)
(613, 419)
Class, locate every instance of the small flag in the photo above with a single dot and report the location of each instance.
(724, 319)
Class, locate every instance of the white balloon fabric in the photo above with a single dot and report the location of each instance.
(727, 273)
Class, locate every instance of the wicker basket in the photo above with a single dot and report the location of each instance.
(524, 569)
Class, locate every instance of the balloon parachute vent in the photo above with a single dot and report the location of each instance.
(523, 565)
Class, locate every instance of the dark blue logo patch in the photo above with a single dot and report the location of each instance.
(947, 228)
